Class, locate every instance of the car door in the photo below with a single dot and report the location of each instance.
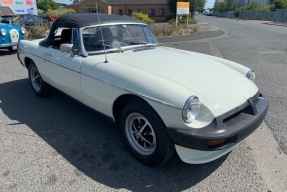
(62, 71)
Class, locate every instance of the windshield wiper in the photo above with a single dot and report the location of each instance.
(139, 43)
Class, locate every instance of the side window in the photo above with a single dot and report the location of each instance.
(120, 12)
(162, 11)
(61, 35)
(152, 12)
(129, 12)
(76, 39)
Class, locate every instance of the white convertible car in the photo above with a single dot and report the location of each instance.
(162, 99)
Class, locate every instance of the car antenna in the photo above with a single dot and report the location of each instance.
(106, 59)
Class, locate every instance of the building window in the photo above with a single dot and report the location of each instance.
(120, 12)
(151, 12)
(129, 12)
(138, 10)
(162, 11)
(91, 10)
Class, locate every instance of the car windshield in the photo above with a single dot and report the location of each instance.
(117, 37)
(6, 19)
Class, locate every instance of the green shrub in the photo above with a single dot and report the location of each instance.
(59, 12)
(182, 21)
(164, 29)
(36, 31)
(255, 7)
(143, 17)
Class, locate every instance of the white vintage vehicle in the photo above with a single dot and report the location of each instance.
(163, 99)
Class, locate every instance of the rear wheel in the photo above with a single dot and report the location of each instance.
(40, 87)
(145, 134)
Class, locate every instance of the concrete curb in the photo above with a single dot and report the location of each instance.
(277, 24)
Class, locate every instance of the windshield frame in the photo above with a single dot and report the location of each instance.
(117, 49)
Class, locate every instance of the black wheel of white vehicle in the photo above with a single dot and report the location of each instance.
(145, 134)
(40, 87)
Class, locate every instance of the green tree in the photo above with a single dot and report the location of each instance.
(47, 4)
(280, 4)
(143, 17)
(223, 6)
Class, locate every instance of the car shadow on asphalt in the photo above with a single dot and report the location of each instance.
(4, 52)
(93, 144)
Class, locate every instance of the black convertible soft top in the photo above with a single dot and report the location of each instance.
(86, 19)
(78, 20)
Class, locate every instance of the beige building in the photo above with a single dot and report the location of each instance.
(158, 10)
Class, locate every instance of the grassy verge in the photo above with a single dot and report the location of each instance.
(170, 30)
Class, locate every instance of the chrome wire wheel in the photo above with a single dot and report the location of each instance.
(140, 134)
(35, 79)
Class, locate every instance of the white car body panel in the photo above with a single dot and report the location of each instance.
(198, 157)
(57, 68)
(198, 85)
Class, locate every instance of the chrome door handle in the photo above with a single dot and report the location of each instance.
(48, 54)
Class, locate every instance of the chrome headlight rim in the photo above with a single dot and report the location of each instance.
(23, 30)
(3, 32)
(193, 103)
(251, 75)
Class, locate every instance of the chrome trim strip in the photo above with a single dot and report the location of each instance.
(248, 74)
(116, 23)
(8, 45)
(114, 85)
(186, 106)
(49, 60)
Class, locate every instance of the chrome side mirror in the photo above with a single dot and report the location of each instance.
(66, 47)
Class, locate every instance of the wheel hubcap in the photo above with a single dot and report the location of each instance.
(35, 79)
(140, 134)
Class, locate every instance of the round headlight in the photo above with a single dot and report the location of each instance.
(251, 75)
(3, 32)
(191, 109)
(23, 30)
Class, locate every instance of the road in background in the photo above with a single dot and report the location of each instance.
(57, 144)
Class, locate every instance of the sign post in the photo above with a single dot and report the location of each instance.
(182, 8)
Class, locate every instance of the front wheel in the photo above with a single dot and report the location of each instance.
(40, 87)
(145, 134)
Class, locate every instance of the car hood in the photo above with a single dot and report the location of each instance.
(9, 26)
(213, 82)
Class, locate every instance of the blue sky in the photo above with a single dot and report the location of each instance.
(209, 4)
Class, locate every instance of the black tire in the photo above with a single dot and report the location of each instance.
(151, 143)
(40, 87)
